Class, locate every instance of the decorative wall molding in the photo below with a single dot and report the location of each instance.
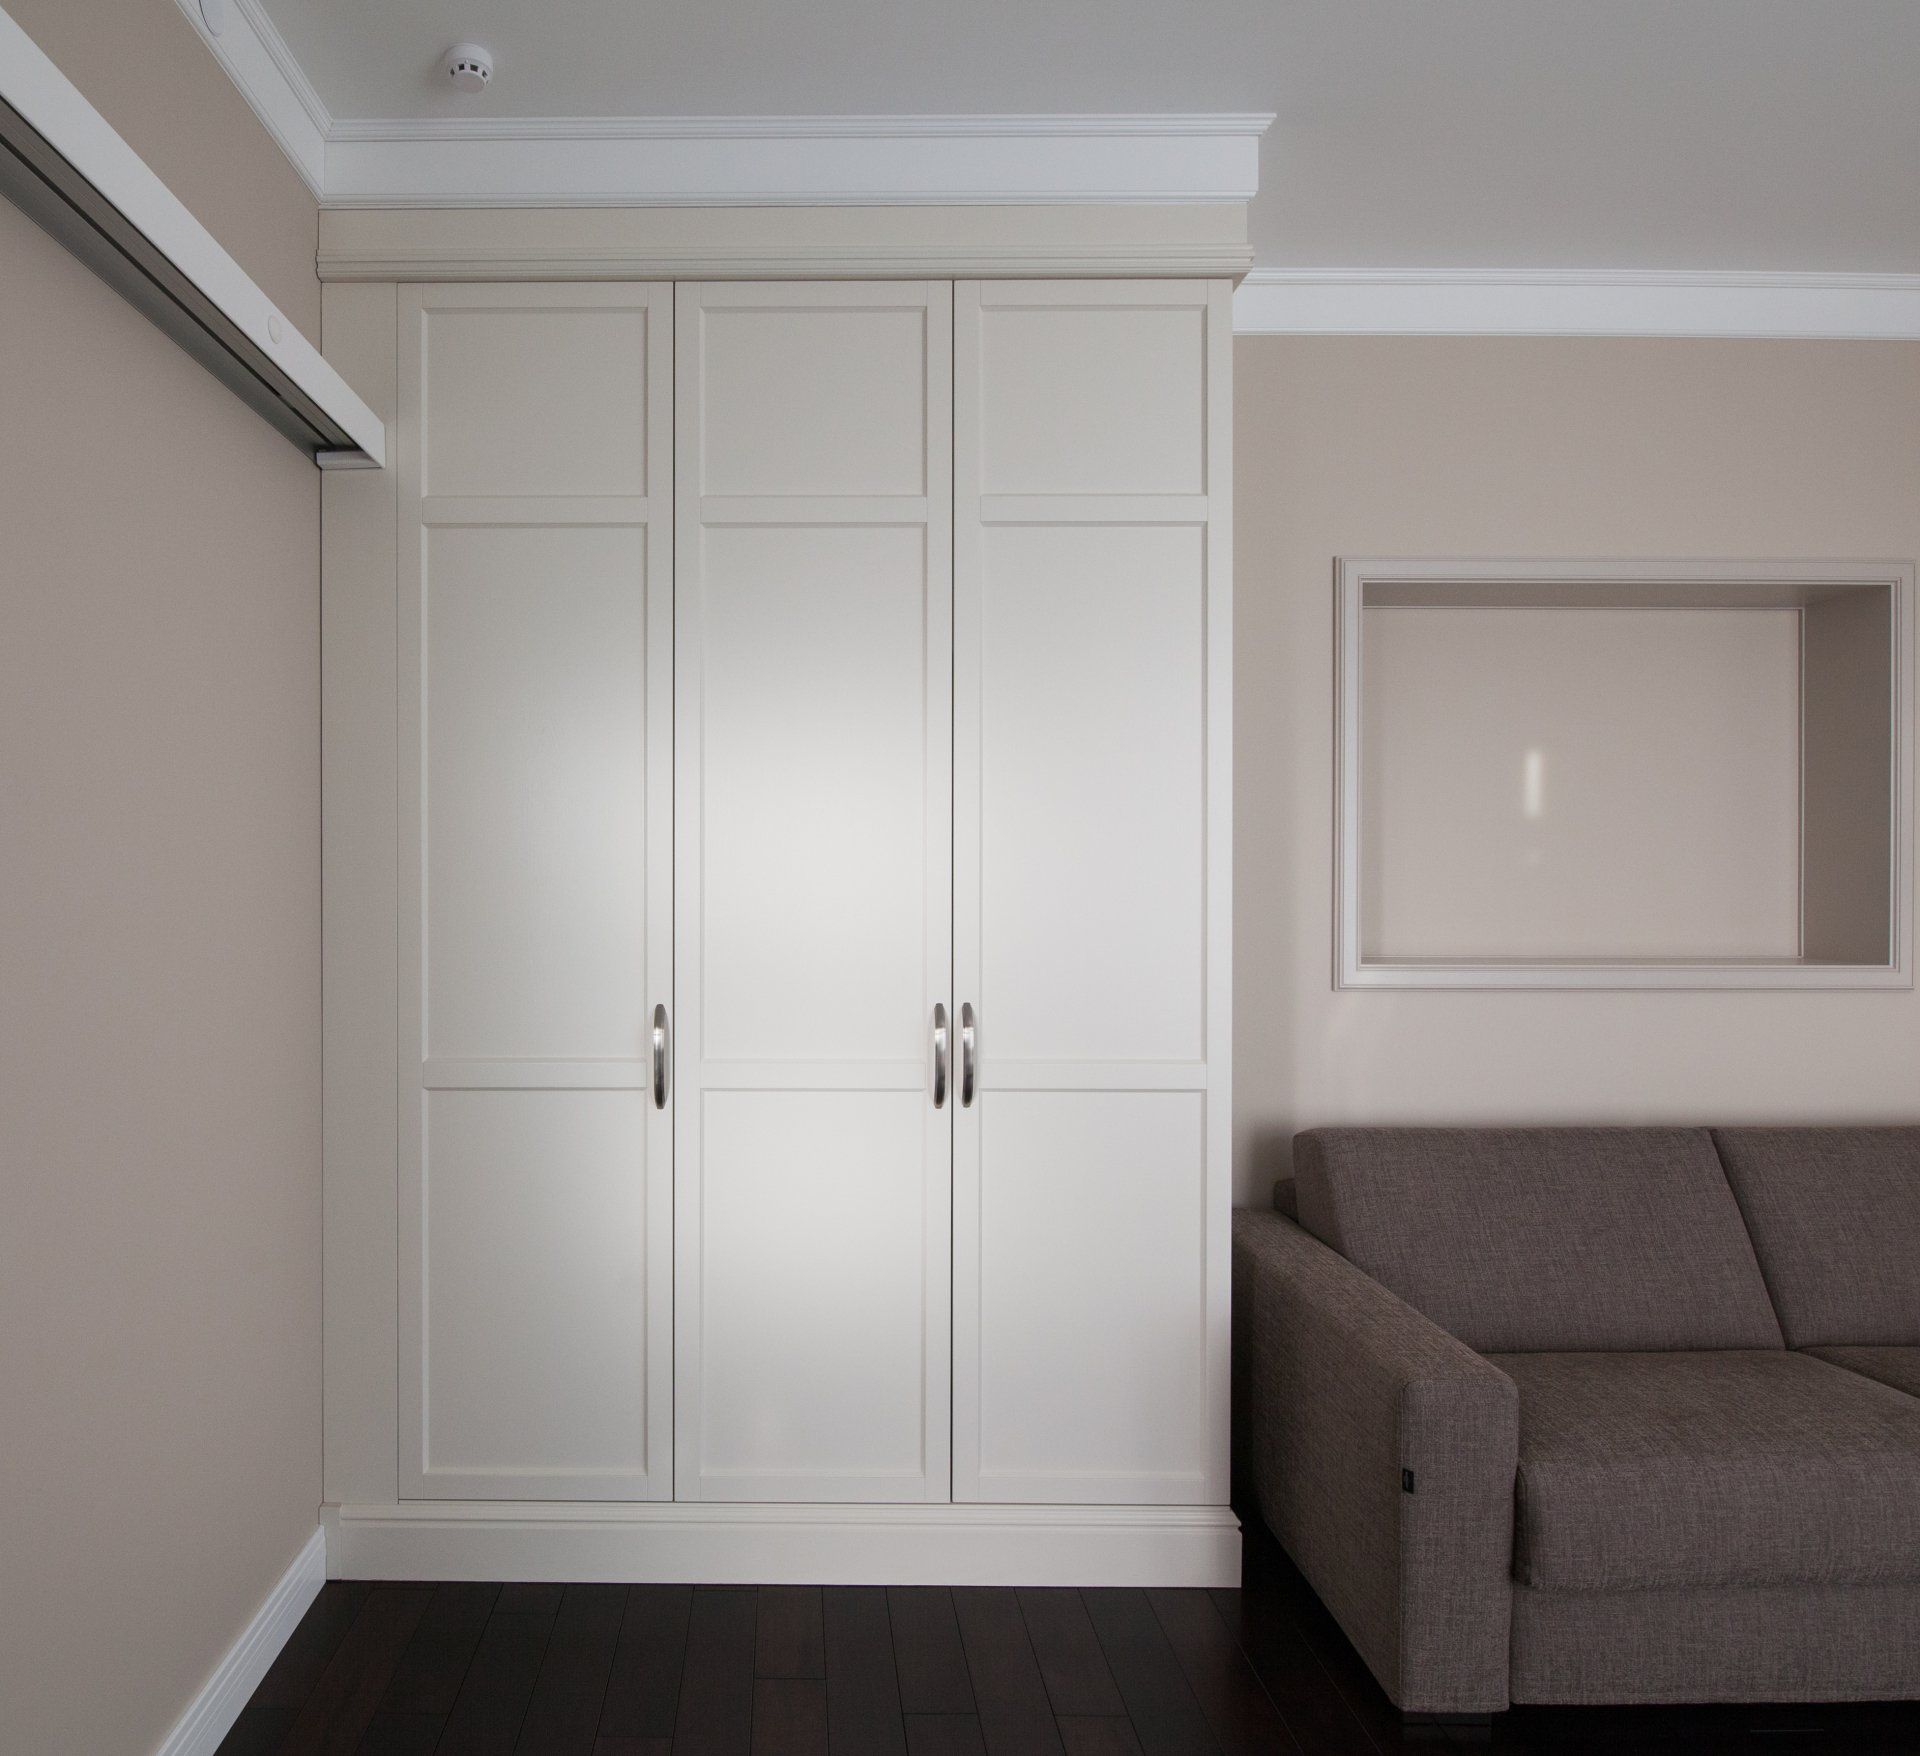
(683, 1542)
(788, 243)
(1331, 301)
(212, 1712)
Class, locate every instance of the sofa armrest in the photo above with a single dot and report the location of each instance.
(1383, 1453)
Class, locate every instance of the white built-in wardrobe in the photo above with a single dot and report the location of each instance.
(806, 933)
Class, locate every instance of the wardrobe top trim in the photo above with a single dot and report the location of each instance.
(1207, 239)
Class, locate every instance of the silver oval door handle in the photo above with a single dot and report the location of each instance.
(966, 1054)
(939, 1054)
(660, 1057)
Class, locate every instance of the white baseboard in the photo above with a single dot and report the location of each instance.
(212, 1712)
(716, 1544)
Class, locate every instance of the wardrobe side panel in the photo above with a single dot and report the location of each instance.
(359, 903)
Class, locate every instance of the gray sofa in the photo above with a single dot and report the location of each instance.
(1595, 1415)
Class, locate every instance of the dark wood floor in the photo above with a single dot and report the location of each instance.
(644, 1670)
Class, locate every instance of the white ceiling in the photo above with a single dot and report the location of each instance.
(1499, 134)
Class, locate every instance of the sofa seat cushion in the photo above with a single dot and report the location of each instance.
(1898, 1366)
(1833, 1213)
(1543, 1239)
(1648, 1470)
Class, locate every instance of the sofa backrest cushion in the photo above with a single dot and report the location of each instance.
(1835, 1218)
(1530, 1240)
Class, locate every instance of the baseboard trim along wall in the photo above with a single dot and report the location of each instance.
(210, 1715)
(715, 1544)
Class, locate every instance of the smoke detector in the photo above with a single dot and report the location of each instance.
(469, 67)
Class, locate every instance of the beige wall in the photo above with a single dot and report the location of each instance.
(1578, 782)
(159, 946)
(1427, 447)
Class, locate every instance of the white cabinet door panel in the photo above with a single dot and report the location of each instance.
(1092, 714)
(534, 1322)
(535, 791)
(536, 861)
(813, 789)
(1088, 398)
(813, 760)
(813, 1289)
(542, 400)
(1092, 1345)
(803, 399)
(1092, 888)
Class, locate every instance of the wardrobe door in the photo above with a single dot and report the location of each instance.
(813, 762)
(1092, 743)
(536, 702)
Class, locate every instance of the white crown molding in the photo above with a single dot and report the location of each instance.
(1205, 125)
(1316, 301)
(258, 61)
(717, 161)
(211, 1713)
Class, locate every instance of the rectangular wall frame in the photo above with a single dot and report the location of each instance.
(1830, 707)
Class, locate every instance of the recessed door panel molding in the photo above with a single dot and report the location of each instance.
(1092, 789)
(813, 756)
(535, 887)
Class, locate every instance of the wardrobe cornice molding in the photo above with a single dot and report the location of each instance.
(1207, 239)
(759, 161)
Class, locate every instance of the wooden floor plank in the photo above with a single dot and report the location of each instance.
(1100, 1735)
(1015, 1716)
(493, 1700)
(1313, 1710)
(1165, 1716)
(344, 1701)
(716, 1688)
(643, 1690)
(863, 1689)
(1278, 1580)
(927, 1654)
(944, 1734)
(269, 1714)
(563, 1716)
(402, 1734)
(790, 1716)
(1077, 1678)
(633, 1747)
(1236, 1704)
(427, 1680)
(790, 1640)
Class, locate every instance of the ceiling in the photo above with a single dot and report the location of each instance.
(1412, 134)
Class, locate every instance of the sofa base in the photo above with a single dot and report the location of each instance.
(1730, 1644)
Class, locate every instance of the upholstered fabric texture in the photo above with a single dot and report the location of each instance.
(1834, 1214)
(1721, 1469)
(1748, 1643)
(1898, 1366)
(1348, 1388)
(1543, 1239)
